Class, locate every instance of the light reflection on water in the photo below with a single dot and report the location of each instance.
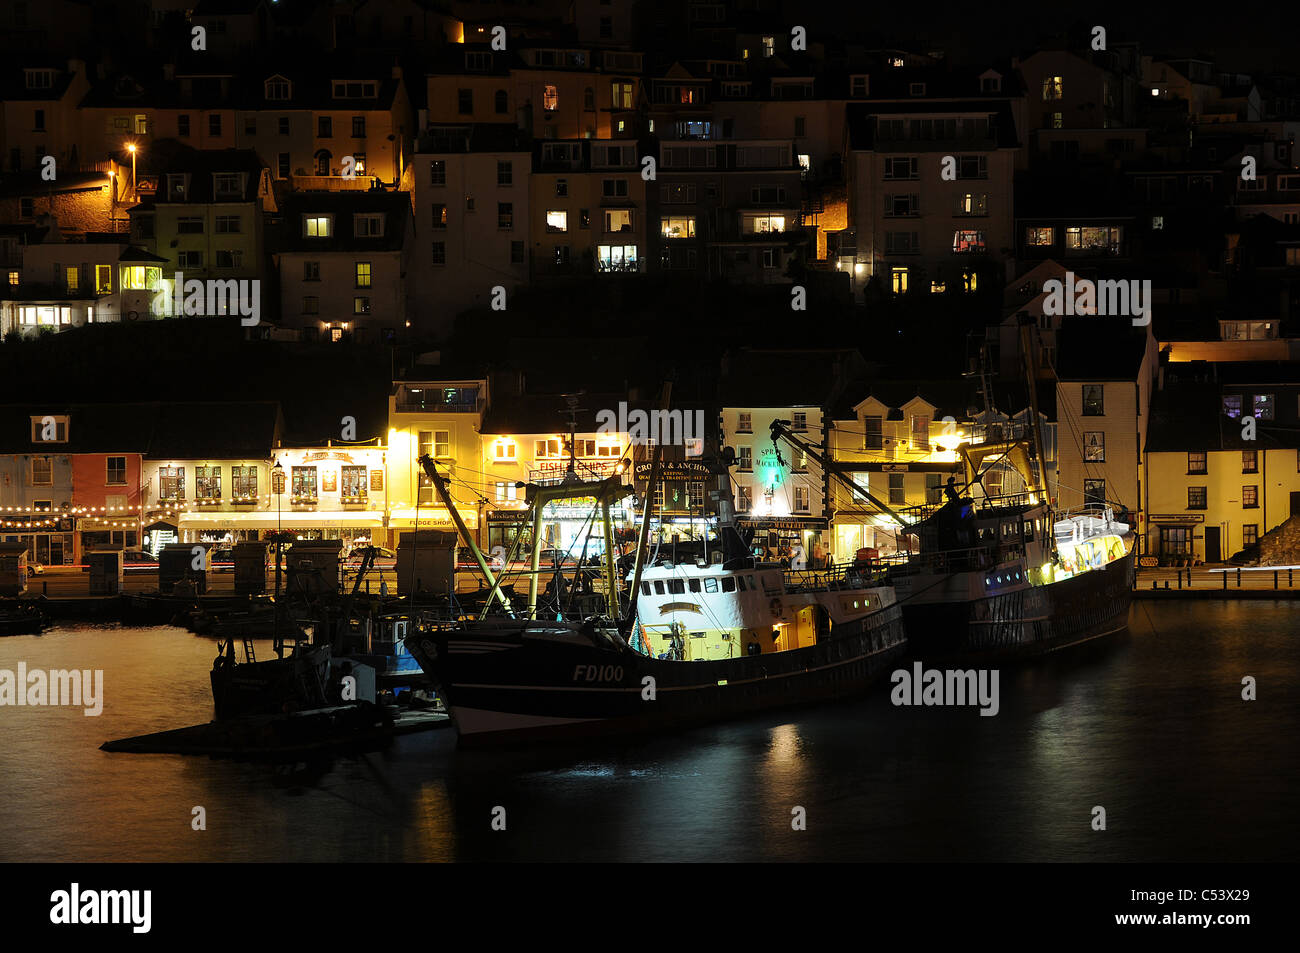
(1150, 726)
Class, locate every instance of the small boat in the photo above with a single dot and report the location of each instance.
(23, 618)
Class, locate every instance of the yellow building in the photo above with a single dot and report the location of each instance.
(440, 418)
(902, 455)
(1211, 490)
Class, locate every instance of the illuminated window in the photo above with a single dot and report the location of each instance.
(973, 203)
(1053, 89)
(1262, 405)
(316, 226)
(964, 242)
(621, 95)
(1250, 461)
(762, 223)
(898, 280)
(363, 274)
(618, 220)
(557, 220)
(769, 45)
(72, 279)
(16, 276)
(304, 483)
(802, 499)
(504, 450)
(938, 287)
(616, 258)
(1249, 497)
(353, 483)
(550, 98)
(1196, 461)
(677, 226)
(1039, 236)
(544, 449)
(439, 215)
(360, 305)
(1249, 534)
(1232, 405)
(968, 281)
(207, 483)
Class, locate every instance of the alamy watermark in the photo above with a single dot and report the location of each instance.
(668, 428)
(211, 297)
(1083, 296)
(77, 906)
(56, 687)
(950, 687)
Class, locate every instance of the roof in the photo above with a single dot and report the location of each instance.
(93, 428)
(788, 378)
(1188, 416)
(862, 130)
(548, 413)
(214, 431)
(1094, 348)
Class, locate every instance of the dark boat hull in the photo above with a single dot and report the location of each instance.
(1027, 622)
(508, 685)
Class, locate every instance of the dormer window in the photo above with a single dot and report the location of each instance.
(317, 226)
(991, 83)
(478, 62)
(355, 89)
(177, 186)
(370, 225)
(50, 429)
(277, 88)
(39, 78)
(858, 85)
(227, 185)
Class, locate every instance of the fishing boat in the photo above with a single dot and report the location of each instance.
(1004, 575)
(696, 643)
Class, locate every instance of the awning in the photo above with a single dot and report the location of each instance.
(332, 519)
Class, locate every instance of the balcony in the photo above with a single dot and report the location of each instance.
(438, 399)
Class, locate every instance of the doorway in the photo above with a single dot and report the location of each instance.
(1295, 503)
(1212, 554)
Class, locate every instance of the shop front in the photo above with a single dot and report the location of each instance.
(1177, 536)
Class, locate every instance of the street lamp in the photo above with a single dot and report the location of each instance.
(277, 486)
(131, 149)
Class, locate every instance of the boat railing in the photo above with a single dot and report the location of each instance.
(957, 560)
(850, 575)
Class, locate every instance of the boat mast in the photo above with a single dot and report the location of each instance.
(1029, 360)
(440, 486)
(781, 428)
(643, 533)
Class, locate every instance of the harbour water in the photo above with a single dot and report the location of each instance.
(1150, 725)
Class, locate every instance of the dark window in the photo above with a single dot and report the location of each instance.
(1196, 498)
(1094, 491)
(1093, 400)
(465, 101)
(728, 584)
